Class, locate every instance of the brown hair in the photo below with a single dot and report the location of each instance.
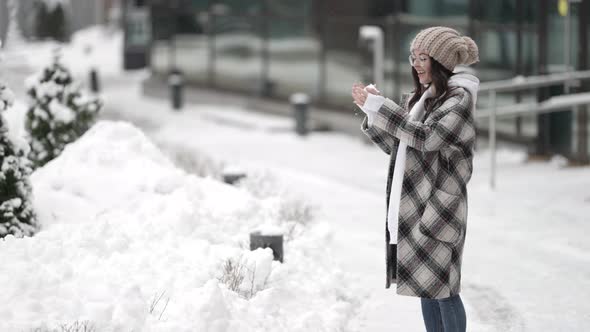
(440, 79)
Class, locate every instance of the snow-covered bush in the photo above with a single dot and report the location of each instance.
(194, 162)
(233, 274)
(239, 274)
(294, 212)
(159, 304)
(77, 326)
(59, 112)
(16, 212)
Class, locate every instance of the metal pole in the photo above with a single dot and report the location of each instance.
(542, 144)
(378, 59)
(210, 45)
(374, 34)
(567, 42)
(519, 56)
(583, 11)
(492, 138)
(323, 26)
(398, 59)
(264, 88)
(567, 55)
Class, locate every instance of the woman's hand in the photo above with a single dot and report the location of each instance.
(359, 95)
(372, 90)
(361, 92)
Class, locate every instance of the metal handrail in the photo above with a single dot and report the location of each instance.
(554, 104)
(532, 82)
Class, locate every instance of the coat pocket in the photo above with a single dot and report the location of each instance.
(444, 217)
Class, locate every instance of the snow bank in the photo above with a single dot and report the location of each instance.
(130, 242)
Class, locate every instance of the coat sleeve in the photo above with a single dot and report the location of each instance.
(384, 140)
(451, 123)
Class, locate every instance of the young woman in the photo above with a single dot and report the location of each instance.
(430, 136)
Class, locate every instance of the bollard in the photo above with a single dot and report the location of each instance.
(176, 83)
(232, 178)
(274, 242)
(267, 88)
(232, 174)
(300, 102)
(94, 81)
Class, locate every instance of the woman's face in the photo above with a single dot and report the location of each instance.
(421, 62)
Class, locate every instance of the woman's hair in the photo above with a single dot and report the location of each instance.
(440, 79)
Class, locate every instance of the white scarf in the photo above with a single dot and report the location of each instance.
(466, 81)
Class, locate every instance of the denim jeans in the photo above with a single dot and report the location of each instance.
(444, 315)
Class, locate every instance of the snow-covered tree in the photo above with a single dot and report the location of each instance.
(59, 112)
(14, 37)
(17, 216)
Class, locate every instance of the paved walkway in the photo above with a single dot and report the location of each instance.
(343, 120)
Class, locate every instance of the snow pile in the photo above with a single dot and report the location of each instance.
(130, 242)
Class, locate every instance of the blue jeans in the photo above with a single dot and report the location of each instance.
(444, 315)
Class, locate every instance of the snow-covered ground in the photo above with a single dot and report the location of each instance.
(131, 241)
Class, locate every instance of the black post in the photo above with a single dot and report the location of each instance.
(94, 81)
(274, 242)
(231, 177)
(176, 83)
(300, 102)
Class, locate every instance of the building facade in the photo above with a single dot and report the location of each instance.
(274, 48)
(79, 14)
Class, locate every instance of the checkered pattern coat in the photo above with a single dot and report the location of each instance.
(433, 206)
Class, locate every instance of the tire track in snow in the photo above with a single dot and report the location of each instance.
(492, 309)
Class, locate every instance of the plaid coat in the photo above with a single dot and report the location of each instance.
(433, 206)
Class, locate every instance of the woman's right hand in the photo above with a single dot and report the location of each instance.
(372, 90)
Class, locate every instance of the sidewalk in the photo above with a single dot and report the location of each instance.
(346, 121)
(321, 119)
(516, 254)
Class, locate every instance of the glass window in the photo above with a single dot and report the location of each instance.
(343, 61)
(286, 8)
(294, 57)
(236, 7)
(557, 40)
(438, 8)
(237, 44)
(138, 27)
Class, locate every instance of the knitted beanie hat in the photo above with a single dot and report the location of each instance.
(446, 46)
